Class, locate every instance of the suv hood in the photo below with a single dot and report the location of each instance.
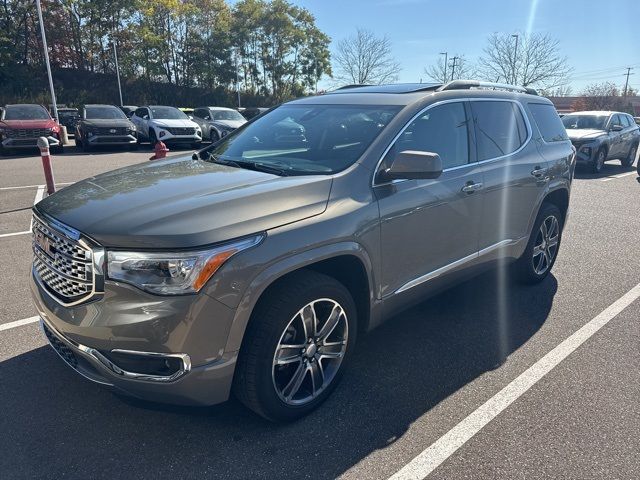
(181, 203)
(229, 123)
(50, 123)
(107, 122)
(584, 133)
(167, 122)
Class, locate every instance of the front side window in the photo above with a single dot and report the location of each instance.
(307, 139)
(442, 130)
(108, 113)
(168, 113)
(549, 123)
(500, 128)
(26, 112)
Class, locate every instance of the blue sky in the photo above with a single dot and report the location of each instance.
(599, 37)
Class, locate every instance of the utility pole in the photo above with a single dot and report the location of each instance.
(515, 61)
(238, 78)
(626, 85)
(115, 56)
(454, 64)
(446, 66)
(46, 60)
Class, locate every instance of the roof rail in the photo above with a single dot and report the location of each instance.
(354, 85)
(468, 84)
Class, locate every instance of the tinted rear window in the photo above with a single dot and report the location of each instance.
(500, 128)
(548, 122)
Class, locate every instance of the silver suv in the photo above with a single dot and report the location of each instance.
(253, 265)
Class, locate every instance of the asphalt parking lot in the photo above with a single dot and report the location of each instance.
(409, 402)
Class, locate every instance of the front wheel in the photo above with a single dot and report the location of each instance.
(598, 163)
(631, 157)
(296, 346)
(542, 249)
(152, 138)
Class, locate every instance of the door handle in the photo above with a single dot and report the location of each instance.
(471, 187)
(538, 172)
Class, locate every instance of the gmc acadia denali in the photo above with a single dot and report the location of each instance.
(252, 266)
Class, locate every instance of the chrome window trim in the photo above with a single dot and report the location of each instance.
(451, 266)
(107, 364)
(456, 100)
(97, 259)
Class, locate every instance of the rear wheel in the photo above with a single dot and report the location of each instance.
(296, 347)
(542, 249)
(598, 163)
(631, 157)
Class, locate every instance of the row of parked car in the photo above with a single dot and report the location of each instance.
(100, 125)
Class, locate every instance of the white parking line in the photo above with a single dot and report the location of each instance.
(18, 323)
(14, 234)
(430, 458)
(31, 186)
(620, 175)
(39, 196)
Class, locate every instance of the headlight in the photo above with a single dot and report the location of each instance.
(173, 273)
(586, 150)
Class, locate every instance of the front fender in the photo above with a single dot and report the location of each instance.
(275, 271)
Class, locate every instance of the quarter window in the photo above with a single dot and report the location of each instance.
(551, 127)
(441, 130)
(500, 128)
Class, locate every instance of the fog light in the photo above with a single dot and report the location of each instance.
(145, 364)
(162, 133)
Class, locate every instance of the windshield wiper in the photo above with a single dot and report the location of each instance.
(257, 166)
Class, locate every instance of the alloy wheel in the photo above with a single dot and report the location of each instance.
(310, 351)
(546, 245)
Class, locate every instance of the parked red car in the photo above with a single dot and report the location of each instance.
(22, 124)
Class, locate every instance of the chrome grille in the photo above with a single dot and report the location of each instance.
(181, 130)
(111, 130)
(64, 266)
(28, 132)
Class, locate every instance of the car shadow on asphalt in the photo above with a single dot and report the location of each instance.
(584, 173)
(57, 424)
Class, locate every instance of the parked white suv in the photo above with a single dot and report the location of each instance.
(216, 122)
(167, 124)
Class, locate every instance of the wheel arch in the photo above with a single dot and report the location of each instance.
(349, 263)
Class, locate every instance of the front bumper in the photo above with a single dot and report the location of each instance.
(111, 139)
(193, 329)
(585, 152)
(169, 138)
(20, 142)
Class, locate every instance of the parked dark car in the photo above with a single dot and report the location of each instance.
(104, 125)
(255, 263)
(251, 112)
(68, 117)
(601, 136)
(128, 109)
(22, 124)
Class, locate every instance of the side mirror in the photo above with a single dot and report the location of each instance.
(145, 117)
(207, 117)
(414, 165)
(190, 117)
(616, 128)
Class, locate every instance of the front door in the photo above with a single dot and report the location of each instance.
(428, 225)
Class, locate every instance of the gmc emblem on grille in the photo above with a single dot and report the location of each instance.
(45, 244)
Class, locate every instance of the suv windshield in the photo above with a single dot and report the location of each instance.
(167, 113)
(596, 122)
(226, 115)
(307, 139)
(26, 112)
(104, 113)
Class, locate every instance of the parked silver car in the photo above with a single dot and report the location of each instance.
(255, 264)
(216, 122)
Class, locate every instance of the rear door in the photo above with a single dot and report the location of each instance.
(514, 173)
(431, 226)
(616, 145)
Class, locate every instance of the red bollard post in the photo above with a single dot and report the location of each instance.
(43, 145)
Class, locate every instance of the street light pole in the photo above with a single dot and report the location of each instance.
(115, 56)
(46, 60)
(515, 60)
(446, 66)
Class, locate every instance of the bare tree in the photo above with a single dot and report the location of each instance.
(365, 59)
(458, 68)
(603, 96)
(532, 60)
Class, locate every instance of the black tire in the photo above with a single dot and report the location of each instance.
(213, 136)
(152, 138)
(133, 147)
(524, 267)
(86, 146)
(196, 145)
(631, 157)
(254, 382)
(57, 149)
(598, 163)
